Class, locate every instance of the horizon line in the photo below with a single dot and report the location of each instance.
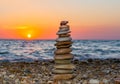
(55, 39)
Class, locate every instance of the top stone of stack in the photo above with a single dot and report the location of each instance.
(63, 23)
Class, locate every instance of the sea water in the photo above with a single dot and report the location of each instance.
(23, 50)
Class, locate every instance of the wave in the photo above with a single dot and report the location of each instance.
(18, 50)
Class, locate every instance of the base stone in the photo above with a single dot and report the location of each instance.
(63, 76)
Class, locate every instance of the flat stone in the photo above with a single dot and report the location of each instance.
(65, 56)
(63, 43)
(63, 61)
(63, 51)
(64, 29)
(57, 71)
(63, 32)
(64, 46)
(64, 66)
(64, 26)
(64, 35)
(64, 39)
(63, 76)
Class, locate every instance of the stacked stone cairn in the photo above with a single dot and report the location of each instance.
(63, 68)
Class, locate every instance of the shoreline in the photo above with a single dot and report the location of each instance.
(52, 60)
(40, 72)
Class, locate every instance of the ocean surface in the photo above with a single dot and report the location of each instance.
(21, 50)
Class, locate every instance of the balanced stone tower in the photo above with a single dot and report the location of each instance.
(63, 68)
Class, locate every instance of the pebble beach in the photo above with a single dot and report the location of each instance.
(91, 71)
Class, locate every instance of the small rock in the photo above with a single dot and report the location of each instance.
(12, 76)
(93, 81)
(3, 73)
(27, 71)
(23, 82)
(85, 76)
(85, 82)
(0, 75)
(68, 82)
(50, 82)
(105, 81)
(106, 71)
(17, 81)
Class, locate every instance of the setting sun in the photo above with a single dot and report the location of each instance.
(29, 35)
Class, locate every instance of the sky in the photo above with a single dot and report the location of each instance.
(39, 19)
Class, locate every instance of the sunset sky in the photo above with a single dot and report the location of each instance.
(39, 19)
